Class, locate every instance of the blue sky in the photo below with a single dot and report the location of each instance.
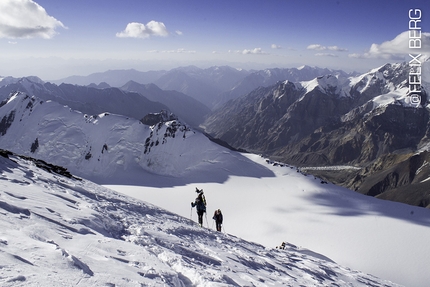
(53, 39)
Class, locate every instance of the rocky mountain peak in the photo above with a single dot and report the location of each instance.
(155, 118)
(329, 120)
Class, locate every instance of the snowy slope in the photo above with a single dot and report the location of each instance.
(387, 239)
(60, 231)
(386, 77)
(108, 147)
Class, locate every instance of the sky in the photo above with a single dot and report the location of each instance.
(53, 39)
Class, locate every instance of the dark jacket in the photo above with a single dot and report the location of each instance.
(200, 203)
(217, 216)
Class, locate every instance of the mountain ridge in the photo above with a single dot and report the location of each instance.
(212, 86)
(108, 147)
(93, 101)
(329, 121)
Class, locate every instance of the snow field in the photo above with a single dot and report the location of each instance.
(59, 231)
(383, 238)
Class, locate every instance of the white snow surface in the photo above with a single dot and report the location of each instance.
(60, 231)
(387, 239)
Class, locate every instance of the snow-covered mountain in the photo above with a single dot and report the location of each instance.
(106, 147)
(331, 120)
(62, 231)
(318, 102)
(133, 100)
(11, 80)
(88, 100)
(269, 77)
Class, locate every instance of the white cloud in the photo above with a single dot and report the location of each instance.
(274, 46)
(182, 51)
(356, 55)
(325, 55)
(396, 48)
(139, 30)
(179, 33)
(256, 51)
(26, 19)
(319, 47)
(178, 51)
(336, 48)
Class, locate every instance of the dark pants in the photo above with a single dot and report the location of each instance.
(200, 215)
(218, 225)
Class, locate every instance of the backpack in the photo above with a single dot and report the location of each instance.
(201, 202)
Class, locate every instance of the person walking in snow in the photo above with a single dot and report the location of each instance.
(218, 219)
(200, 204)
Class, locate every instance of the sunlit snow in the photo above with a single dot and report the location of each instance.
(61, 231)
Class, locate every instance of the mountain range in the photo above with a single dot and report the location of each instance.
(364, 122)
(306, 116)
(212, 86)
(132, 100)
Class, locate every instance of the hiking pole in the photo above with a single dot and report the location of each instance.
(207, 222)
(191, 213)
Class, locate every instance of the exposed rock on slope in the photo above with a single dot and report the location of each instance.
(330, 121)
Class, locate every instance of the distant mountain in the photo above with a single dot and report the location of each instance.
(91, 101)
(220, 77)
(332, 120)
(205, 85)
(134, 100)
(102, 85)
(269, 77)
(212, 86)
(182, 82)
(114, 78)
(187, 108)
(11, 80)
